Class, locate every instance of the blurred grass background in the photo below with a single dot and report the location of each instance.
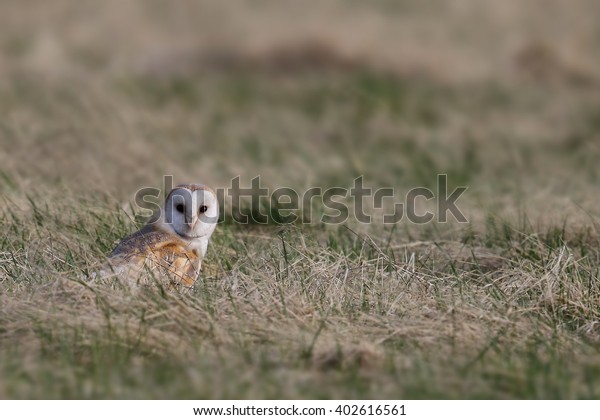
(99, 99)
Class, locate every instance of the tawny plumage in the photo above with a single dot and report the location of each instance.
(175, 239)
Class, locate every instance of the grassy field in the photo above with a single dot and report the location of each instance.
(100, 99)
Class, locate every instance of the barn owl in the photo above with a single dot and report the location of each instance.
(175, 239)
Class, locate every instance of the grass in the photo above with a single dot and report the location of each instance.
(506, 306)
(285, 316)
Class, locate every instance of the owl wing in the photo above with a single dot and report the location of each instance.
(174, 257)
(157, 249)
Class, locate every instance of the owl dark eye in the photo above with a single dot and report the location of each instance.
(202, 209)
(179, 208)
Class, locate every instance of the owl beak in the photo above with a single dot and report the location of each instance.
(195, 222)
(191, 221)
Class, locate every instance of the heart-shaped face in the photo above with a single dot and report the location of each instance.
(191, 211)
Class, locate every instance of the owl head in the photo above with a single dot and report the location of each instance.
(191, 211)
